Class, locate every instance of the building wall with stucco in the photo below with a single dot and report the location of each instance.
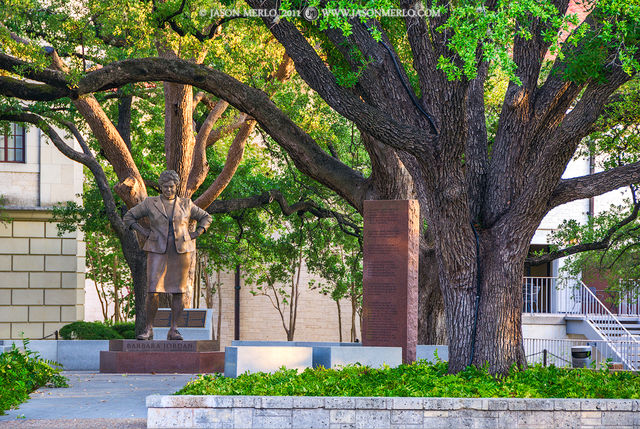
(41, 273)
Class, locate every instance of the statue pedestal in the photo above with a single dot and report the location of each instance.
(162, 356)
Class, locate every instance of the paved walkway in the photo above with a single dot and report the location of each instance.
(93, 400)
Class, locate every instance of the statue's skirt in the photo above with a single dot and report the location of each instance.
(168, 272)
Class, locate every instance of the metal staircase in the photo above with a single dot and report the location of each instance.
(585, 314)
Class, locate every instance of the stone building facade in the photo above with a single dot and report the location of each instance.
(41, 273)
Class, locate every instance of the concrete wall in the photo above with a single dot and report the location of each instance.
(41, 274)
(544, 326)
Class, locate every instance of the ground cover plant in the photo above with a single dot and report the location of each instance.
(22, 372)
(423, 379)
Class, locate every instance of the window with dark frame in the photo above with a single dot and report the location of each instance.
(12, 144)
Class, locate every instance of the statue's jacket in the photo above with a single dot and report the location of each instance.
(184, 210)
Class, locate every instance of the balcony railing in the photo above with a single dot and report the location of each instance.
(544, 295)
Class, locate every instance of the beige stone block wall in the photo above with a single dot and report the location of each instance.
(20, 188)
(317, 318)
(41, 276)
(60, 178)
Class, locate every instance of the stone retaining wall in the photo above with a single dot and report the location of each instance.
(73, 355)
(349, 412)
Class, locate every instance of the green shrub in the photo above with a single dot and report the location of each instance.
(22, 372)
(424, 380)
(88, 331)
(125, 329)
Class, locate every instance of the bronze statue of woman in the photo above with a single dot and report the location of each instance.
(169, 246)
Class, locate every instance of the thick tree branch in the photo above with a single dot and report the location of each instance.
(572, 250)
(476, 149)
(601, 244)
(31, 71)
(554, 96)
(79, 138)
(421, 42)
(529, 52)
(594, 184)
(200, 168)
(313, 70)
(266, 198)
(220, 132)
(234, 157)
(11, 87)
(305, 152)
(558, 146)
(131, 187)
(124, 118)
(210, 31)
(201, 97)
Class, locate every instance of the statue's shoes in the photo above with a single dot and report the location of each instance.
(174, 335)
(146, 335)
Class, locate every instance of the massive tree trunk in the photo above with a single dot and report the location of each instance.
(432, 326)
(485, 324)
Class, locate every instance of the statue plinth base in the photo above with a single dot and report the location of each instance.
(162, 356)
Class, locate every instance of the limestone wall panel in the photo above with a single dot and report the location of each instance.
(5, 262)
(27, 297)
(5, 297)
(33, 330)
(45, 246)
(28, 229)
(28, 263)
(44, 280)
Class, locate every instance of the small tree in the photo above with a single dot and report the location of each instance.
(277, 275)
(210, 275)
(336, 257)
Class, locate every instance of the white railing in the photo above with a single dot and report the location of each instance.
(609, 327)
(558, 352)
(629, 298)
(543, 295)
(539, 295)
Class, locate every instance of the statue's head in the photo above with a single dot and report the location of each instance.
(168, 182)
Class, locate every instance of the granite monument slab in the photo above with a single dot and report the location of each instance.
(390, 277)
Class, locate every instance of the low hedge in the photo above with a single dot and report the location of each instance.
(97, 331)
(125, 329)
(22, 372)
(424, 380)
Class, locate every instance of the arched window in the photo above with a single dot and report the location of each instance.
(12, 144)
